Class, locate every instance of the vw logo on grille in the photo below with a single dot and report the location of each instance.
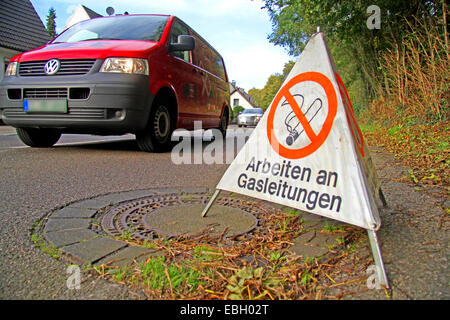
(52, 66)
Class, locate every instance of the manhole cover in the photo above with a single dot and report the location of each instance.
(175, 215)
(186, 219)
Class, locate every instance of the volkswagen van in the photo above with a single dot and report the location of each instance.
(141, 74)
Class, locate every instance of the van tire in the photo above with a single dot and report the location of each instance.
(38, 138)
(224, 123)
(158, 133)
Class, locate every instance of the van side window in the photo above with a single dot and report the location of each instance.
(219, 67)
(208, 59)
(177, 30)
(203, 54)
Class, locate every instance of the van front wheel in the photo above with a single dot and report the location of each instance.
(38, 138)
(158, 133)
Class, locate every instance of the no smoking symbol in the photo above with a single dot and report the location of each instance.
(316, 139)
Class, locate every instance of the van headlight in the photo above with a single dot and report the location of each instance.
(11, 70)
(125, 65)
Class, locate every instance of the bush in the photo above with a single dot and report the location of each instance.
(236, 110)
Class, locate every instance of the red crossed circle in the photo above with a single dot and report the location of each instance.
(316, 140)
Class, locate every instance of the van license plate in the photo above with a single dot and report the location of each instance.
(45, 106)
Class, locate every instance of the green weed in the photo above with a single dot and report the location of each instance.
(292, 212)
(204, 253)
(127, 235)
(240, 282)
(276, 258)
(157, 274)
(44, 247)
(332, 228)
(305, 278)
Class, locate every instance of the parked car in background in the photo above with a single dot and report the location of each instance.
(142, 74)
(249, 117)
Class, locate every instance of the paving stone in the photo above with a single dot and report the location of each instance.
(126, 256)
(168, 190)
(93, 250)
(96, 203)
(310, 217)
(312, 221)
(322, 239)
(308, 251)
(131, 195)
(305, 237)
(313, 224)
(66, 224)
(66, 237)
(333, 223)
(69, 212)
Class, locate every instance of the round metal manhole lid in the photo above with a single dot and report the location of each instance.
(187, 220)
(180, 214)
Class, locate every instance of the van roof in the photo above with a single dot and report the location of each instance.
(171, 18)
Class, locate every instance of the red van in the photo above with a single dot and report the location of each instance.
(142, 74)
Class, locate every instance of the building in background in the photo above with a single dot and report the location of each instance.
(81, 13)
(21, 30)
(238, 97)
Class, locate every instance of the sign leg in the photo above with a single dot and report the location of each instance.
(211, 201)
(376, 252)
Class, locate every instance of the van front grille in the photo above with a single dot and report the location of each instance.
(74, 113)
(68, 67)
(45, 93)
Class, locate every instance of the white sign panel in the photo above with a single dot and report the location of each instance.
(307, 151)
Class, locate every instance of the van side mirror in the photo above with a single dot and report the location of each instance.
(185, 43)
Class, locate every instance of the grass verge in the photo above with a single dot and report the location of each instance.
(258, 266)
(425, 149)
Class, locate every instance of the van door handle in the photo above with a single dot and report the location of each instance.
(195, 70)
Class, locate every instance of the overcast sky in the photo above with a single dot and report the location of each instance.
(238, 29)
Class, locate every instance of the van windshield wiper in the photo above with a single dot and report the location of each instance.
(91, 39)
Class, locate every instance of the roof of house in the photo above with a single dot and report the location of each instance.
(91, 13)
(81, 13)
(21, 28)
(245, 95)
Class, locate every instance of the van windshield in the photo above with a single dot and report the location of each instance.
(127, 27)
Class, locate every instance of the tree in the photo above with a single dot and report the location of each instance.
(256, 95)
(236, 111)
(263, 97)
(354, 47)
(51, 22)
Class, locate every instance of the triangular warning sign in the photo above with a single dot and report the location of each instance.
(307, 152)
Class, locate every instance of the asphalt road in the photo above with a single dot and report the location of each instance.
(35, 181)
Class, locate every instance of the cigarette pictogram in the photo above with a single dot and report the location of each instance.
(291, 121)
(302, 117)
